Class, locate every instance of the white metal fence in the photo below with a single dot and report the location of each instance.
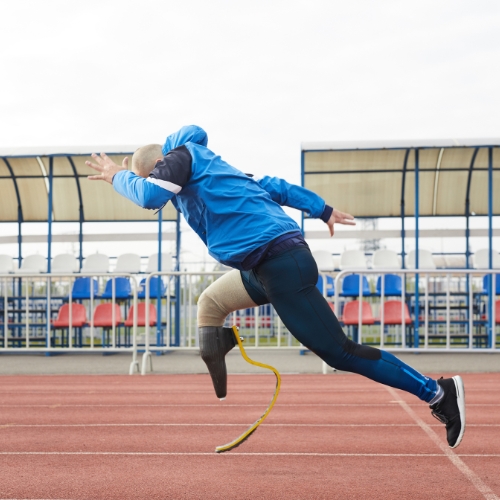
(466, 321)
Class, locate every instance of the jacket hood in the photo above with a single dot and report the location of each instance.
(189, 133)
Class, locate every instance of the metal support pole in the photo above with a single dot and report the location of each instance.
(158, 288)
(49, 215)
(417, 298)
(491, 291)
(302, 184)
(177, 281)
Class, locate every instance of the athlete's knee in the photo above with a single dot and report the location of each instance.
(210, 312)
(361, 351)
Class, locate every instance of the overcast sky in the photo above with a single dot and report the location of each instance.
(259, 76)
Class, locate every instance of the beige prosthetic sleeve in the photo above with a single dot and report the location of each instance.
(222, 297)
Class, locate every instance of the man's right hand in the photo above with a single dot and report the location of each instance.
(106, 166)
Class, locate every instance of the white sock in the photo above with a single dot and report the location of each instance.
(438, 397)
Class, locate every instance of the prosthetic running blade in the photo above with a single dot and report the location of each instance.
(253, 427)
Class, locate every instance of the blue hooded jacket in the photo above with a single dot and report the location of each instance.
(231, 212)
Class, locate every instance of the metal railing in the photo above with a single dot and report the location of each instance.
(412, 278)
(22, 291)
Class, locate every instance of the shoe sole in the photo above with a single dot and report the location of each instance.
(459, 386)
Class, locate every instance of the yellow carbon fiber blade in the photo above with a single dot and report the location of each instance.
(253, 427)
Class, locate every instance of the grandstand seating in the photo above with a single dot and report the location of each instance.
(64, 263)
(6, 264)
(166, 263)
(392, 313)
(33, 264)
(324, 260)
(153, 288)
(425, 260)
(123, 289)
(486, 283)
(103, 315)
(96, 263)
(392, 285)
(330, 285)
(351, 313)
(497, 312)
(128, 263)
(353, 259)
(78, 316)
(350, 286)
(481, 259)
(81, 288)
(386, 259)
(141, 315)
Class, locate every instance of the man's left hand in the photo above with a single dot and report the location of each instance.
(339, 217)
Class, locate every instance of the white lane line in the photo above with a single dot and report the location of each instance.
(183, 424)
(390, 404)
(244, 454)
(485, 490)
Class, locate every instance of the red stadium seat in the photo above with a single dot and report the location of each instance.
(351, 313)
(141, 315)
(103, 315)
(392, 313)
(497, 312)
(78, 316)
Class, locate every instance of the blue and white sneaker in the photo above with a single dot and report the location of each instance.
(450, 409)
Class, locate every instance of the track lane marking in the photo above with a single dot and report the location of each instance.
(184, 424)
(246, 454)
(455, 459)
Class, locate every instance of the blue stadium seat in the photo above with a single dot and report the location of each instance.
(123, 289)
(350, 286)
(81, 288)
(153, 288)
(330, 285)
(392, 285)
(486, 283)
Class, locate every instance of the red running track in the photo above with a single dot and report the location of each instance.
(328, 437)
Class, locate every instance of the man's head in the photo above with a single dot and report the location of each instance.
(145, 158)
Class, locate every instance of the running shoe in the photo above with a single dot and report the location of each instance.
(450, 410)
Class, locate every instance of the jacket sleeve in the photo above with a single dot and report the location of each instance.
(297, 197)
(140, 191)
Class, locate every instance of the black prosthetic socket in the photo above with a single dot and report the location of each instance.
(215, 343)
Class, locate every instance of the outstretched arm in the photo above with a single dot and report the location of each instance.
(137, 189)
(307, 201)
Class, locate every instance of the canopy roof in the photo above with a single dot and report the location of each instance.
(24, 187)
(377, 179)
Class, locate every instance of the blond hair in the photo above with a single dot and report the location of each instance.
(144, 159)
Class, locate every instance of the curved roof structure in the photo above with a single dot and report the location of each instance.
(25, 181)
(377, 179)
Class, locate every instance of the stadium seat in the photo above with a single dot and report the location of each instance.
(141, 315)
(386, 259)
(33, 264)
(481, 259)
(392, 285)
(350, 286)
(324, 260)
(351, 313)
(497, 312)
(486, 283)
(64, 263)
(166, 263)
(103, 315)
(153, 288)
(81, 288)
(128, 263)
(96, 263)
(353, 259)
(392, 313)
(123, 290)
(78, 316)
(425, 260)
(330, 285)
(6, 264)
